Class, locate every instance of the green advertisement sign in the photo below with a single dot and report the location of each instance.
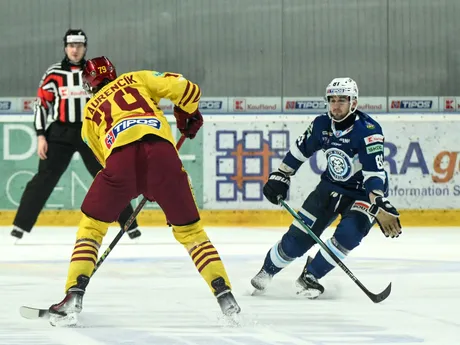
(19, 163)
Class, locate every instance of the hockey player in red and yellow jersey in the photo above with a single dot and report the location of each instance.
(132, 139)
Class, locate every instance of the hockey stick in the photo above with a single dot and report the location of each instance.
(376, 298)
(36, 313)
(128, 222)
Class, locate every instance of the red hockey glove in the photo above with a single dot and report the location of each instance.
(188, 124)
(193, 125)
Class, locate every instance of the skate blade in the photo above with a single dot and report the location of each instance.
(232, 320)
(306, 292)
(309, 293)
(255, 290)
(234, 309)
(14, 241)
(70, 320)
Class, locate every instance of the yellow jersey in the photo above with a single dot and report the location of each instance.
(126, 109)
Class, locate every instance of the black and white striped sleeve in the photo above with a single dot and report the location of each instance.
(46, 94)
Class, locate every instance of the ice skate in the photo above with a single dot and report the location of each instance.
(65, 313)
(308, 285)
(260, 282)
(225, 298)
(134, 233)
(17, 233)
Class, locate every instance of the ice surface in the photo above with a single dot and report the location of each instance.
(148, 292)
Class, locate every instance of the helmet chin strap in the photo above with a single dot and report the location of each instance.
(351, 110)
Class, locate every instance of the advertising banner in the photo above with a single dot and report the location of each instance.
(449, 104)
(318, 105)
(264, 105)
(413, 104)
(275, 105)
(421, 157)
(214, 105)
(27, 104)
(372, 105)
(19, 163)
(302, 105)
(232, 156)
(8, 105)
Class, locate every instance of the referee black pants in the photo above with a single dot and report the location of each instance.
(63, 141)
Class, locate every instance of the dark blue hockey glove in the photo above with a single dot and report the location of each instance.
(277, 185)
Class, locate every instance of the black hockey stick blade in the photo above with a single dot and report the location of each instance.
(33, 313)
(381, 296)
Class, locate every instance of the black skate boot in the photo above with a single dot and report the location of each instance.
(225, 298)
(17, 232)
(308, 284)
(65, 313)
(134, 233)
(261, 281)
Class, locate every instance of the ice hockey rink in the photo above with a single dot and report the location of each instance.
(148, 292)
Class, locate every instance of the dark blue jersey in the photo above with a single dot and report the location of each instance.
(354, 155)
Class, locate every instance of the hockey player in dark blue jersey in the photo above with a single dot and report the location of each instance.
(354, 186)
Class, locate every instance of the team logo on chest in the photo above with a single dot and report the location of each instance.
(339, 164)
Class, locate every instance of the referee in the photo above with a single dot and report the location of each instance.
(62, 98)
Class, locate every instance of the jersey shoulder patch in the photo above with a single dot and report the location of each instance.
(366, 123)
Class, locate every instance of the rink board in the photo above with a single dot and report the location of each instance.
(231, 158)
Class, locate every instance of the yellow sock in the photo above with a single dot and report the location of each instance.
(84, 257)
(202, 251)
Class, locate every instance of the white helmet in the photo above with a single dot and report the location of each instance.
(343, 87)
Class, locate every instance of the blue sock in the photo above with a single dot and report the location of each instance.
(319, 266)
(323, 263)
(276, 260)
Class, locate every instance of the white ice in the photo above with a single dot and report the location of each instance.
(148, 292)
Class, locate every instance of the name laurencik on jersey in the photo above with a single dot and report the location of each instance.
(127, 109)
(60, 95)
(354, 156)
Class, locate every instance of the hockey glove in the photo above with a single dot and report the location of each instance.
(386, 216)
(188, 124)
(277, 185)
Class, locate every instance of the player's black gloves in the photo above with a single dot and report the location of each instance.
(277, 185)
(387, 216)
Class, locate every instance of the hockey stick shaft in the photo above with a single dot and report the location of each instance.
(375, 298)
(128, 222)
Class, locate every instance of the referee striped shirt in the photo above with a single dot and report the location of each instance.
(60, 95)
